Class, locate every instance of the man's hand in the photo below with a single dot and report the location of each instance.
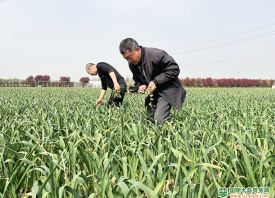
(117, 87)
(142, 89)
(152, 87)
(99, 101)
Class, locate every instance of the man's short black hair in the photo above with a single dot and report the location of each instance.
(128, 44)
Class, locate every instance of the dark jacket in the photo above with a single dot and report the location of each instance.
(156, 65)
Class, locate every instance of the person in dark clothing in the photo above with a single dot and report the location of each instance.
(156, 72)
(109, 78)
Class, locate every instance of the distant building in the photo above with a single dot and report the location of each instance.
(96, 83)
(77, 84)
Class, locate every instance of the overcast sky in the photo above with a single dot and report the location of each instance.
(208, 38)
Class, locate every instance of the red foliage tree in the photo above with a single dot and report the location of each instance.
(208, 82)
(65, 81)
(84, 81)
(42, 80)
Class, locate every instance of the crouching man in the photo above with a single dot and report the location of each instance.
(109, 77)
(156, 72)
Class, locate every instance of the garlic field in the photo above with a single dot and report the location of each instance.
(54, 142)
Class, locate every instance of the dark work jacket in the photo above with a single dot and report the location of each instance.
(157, 66)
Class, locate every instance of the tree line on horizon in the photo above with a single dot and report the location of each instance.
(65, 81)
(43, 81)
(226, 82)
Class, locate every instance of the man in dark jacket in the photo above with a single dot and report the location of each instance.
(109, 78)
(156, 72)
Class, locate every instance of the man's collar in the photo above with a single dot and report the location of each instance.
(142, 60)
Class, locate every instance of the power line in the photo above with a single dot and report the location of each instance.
(236, 42)
(231, 58)
(224, 37)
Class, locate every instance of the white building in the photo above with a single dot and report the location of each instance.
(95, 83)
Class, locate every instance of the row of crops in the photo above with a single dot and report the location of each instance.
(54, 142)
